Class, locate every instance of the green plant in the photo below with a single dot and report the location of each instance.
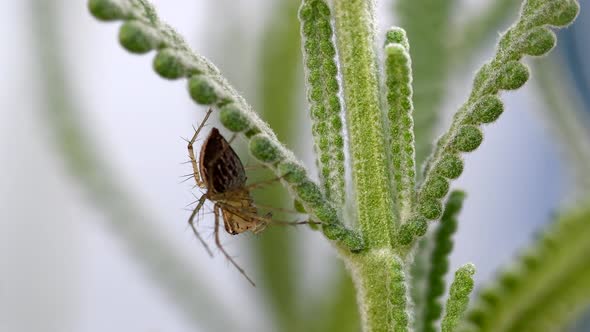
(361, 105)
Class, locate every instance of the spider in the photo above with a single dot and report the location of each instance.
(221, 174)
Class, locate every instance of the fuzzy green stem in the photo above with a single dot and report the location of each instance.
(355, 39)
(373, 269)
(373, 273)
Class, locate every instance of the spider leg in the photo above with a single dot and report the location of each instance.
(264, 183)
(216, 209)
(232, 138)
(191, 223)
(254, 167)
(269, 220)
(191, 152)
(277, 209)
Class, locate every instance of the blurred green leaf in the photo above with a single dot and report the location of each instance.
(132, 225)
(338, 311)
(428, 26)
(279, 82)
(562, 112)
(471, 35)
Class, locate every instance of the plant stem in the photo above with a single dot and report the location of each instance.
(372, 270)
(355, 37)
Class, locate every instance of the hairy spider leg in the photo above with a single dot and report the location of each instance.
(277, 209)
(192, 224)
(216, 210)
(267, 220)
(191, 152)
(261, 184)
(263, 221)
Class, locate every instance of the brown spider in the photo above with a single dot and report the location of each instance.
(221, 174)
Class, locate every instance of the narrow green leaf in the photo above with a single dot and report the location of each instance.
(480, 28)
(398, 82)
(399, 297)
(563, 115)
(549, 279)
(431, 309)
(419, 268)
(278, 84)
(322, 93)
(337, 312)
(560, 306)
(427, 23)
(458, 297)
